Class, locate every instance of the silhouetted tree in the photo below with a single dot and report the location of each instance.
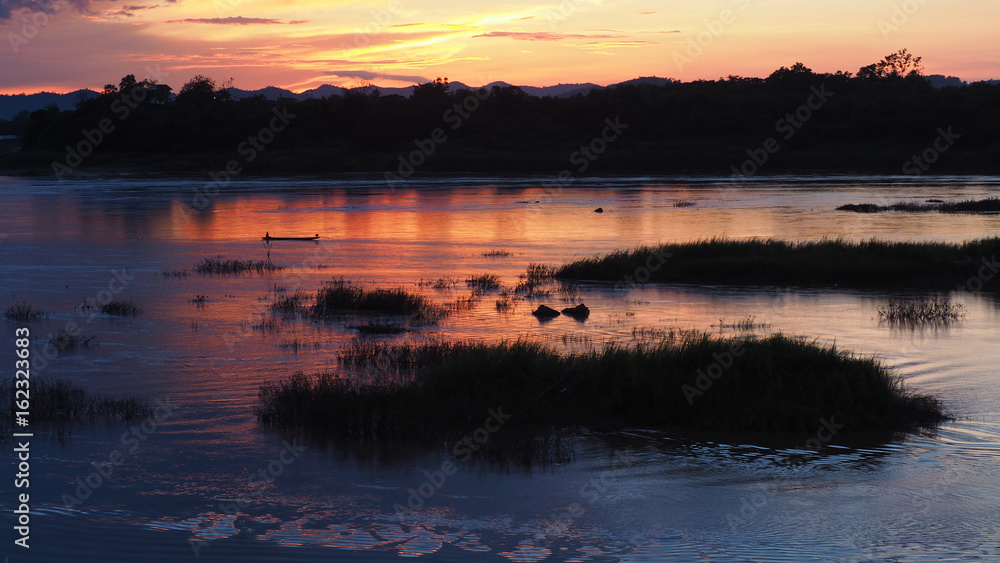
(900, 64)
(197, 91)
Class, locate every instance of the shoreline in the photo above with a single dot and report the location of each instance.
(552, 163)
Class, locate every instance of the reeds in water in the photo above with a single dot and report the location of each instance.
(23, 312)
(483, 283)
(988, 205)
(121, 309)
(340, 296)
(921, 311)
(773, 383)
(65, 340)
(222, 266)
(62, 401)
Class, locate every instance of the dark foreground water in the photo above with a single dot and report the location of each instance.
(206, 482)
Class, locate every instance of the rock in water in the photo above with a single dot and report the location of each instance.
(599, 210)
(579, 312)
(545, 312)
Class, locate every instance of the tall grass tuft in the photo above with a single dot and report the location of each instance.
(222, 266)
(22, 312)
(290, 306)
(339, 296)
(66, 340)
(121, 309)
(65, 402)
(536, 280)
(773, 383)
(921, 311)
(483, 283)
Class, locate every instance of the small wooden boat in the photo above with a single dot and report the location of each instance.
(267, 237)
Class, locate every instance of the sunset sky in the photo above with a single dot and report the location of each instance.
(301, 44)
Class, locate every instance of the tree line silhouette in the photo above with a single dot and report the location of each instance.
(874, 120)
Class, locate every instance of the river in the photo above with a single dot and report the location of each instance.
(186, 490)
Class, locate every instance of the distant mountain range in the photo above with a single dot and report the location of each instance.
(326, 90)
(11, 105)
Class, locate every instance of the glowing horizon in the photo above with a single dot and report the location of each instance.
(302, 44)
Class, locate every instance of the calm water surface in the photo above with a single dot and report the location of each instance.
(632, 496)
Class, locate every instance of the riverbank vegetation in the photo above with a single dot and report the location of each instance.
(836, 262)
(988, 205)
(689, 381)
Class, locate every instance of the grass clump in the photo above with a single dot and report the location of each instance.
(774, 383)
(62, 401)
(865, 264)
(536, 281)
(483, 283)
(501, 253)
(748, 323)
(222, 266)
(22, 312)
(506, 303)
(445, 283)
(339, 296)
(121, 309)
(988, 205)
(290, 305)
(66, 340)
(921, 311)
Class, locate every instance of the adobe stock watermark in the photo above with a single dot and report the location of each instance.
(265, 474)
(922, 162)
(131, 440)
(380, 19)
(900, 16)
(249, 149)
(986, 273)
(33, 22)
(291, 280)
(122, 107)
(704, 379)
(455, 117)
(705, 38)
(654, 262)
(591, 491)
(588, 153)
(563, 11)
(787, 126)
(223, 7)
(751, 504)
(463, 451)
(88, 308)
